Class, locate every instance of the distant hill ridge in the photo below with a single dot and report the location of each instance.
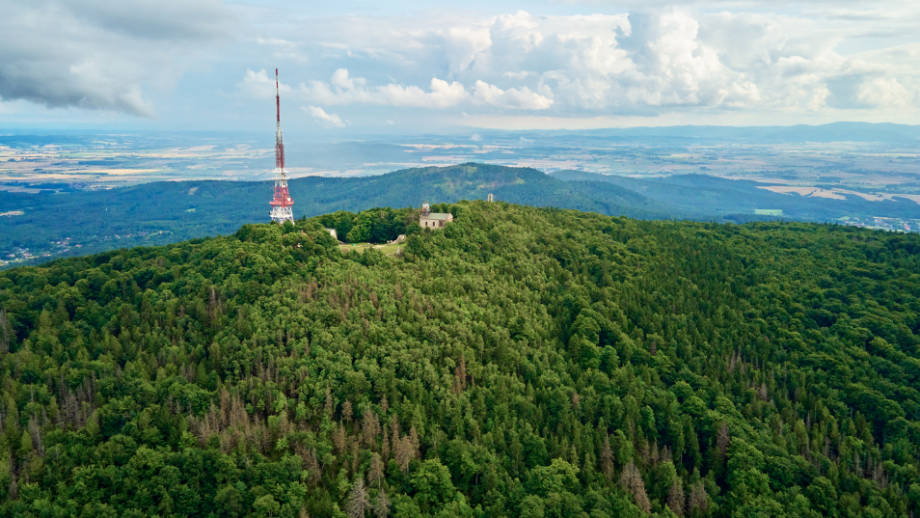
(718, 198)
(164, 212)
(832, 132)
(191, 209)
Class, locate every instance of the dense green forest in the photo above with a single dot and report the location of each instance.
(167, 212)
(521, 362)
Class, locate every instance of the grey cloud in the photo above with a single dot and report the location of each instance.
(843, 90)
(101, 55)
(852, 89)
(158, 19)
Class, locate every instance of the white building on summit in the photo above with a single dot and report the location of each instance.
(430, 219)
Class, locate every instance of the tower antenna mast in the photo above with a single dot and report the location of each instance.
(282, 202)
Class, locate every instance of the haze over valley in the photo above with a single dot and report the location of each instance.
(847, 173)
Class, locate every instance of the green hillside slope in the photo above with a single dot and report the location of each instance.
(520, 362)
(167, 212)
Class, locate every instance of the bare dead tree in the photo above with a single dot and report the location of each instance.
(403, 453)
(375, 474)
(631, 481)
(358, 503)
(607, 460)
(676, 497)
(370, 427)
(381, 505)
(698, 500)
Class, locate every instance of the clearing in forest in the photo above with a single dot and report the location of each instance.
(361, 247)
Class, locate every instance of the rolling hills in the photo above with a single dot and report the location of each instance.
(165, 212)
(733, 199)
(135, 215)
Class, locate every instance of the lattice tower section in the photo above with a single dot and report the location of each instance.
(282, 202)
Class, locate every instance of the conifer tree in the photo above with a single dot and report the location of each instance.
(631, 481)
(607, 459)
(358, 502)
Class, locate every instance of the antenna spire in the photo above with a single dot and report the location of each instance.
(279, 137)
(282, 202)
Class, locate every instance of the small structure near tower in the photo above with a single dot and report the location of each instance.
(430, 219)
(282, 202)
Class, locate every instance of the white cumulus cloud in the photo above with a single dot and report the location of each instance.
(648, 62)
(342, 89)
(326, 120)
(521, 98)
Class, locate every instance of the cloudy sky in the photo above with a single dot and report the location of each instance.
(353, 67)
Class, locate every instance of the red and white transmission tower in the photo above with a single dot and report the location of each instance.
(282, 203)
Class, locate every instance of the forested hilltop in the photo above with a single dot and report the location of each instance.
(521, 362)
(166, 212)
